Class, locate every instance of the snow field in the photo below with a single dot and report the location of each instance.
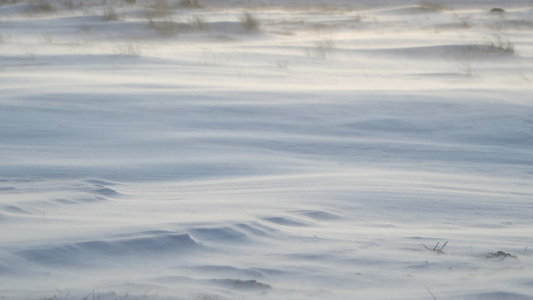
(165, 151)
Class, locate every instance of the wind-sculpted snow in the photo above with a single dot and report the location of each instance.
(285, 221)
(266, 149)
(79, 254)
(497, 295)
(373, 227)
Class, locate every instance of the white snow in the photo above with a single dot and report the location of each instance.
(170, 153)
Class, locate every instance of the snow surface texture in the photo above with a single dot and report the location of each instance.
(266, 149)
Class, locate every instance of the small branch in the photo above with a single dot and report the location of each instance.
(502, 254)
(435, 298)
(443, 246)
(436, 248)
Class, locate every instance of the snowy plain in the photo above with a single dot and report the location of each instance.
(177, 150)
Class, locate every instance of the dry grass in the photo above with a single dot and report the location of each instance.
(249, 23)
(283, 63)
(165, 27)
(129, 50)
(503, 44)
(68, 4)
(464, 24)
(198, 23)
(110, 15)
(465, 68)
(28, 52)
(495, 44)
(190, 4)
(4, 2)
(47, 39)
(497, 10)
(160, 9)
(322, 48)
(41, 6)
(432, 6)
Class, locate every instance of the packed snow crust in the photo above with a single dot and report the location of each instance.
(266, 149)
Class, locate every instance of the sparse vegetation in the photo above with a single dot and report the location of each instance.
(211, 59)
(28, 52)
(190, 4)
(283, 63)
(164, 28)
(130, 50)
(249, 22)
(493, 45)
(358, 17)
(160, 9)
(68, 4)
(41, 6)
(110, 14)
(198, 23)
(322, 48)
(206, 297)
(465, 68)
(497, 10)
(431, 6)
(499, 44)
(464, 24)
(47, 39)
(3, 2)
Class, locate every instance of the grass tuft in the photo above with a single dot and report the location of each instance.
(190, 4)
(503, 44)
(4, 2)
(496, 44)
(68, 4)
(160, 9)
(249, 22)
(323, 47)
(198, 23)
(41, 6)
(129, 50)
(432, 6)
(110, 15)
(465, 68)
(497, 10)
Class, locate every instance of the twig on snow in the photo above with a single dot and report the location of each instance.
(502, 254)
(436, 248)
(435, 298)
